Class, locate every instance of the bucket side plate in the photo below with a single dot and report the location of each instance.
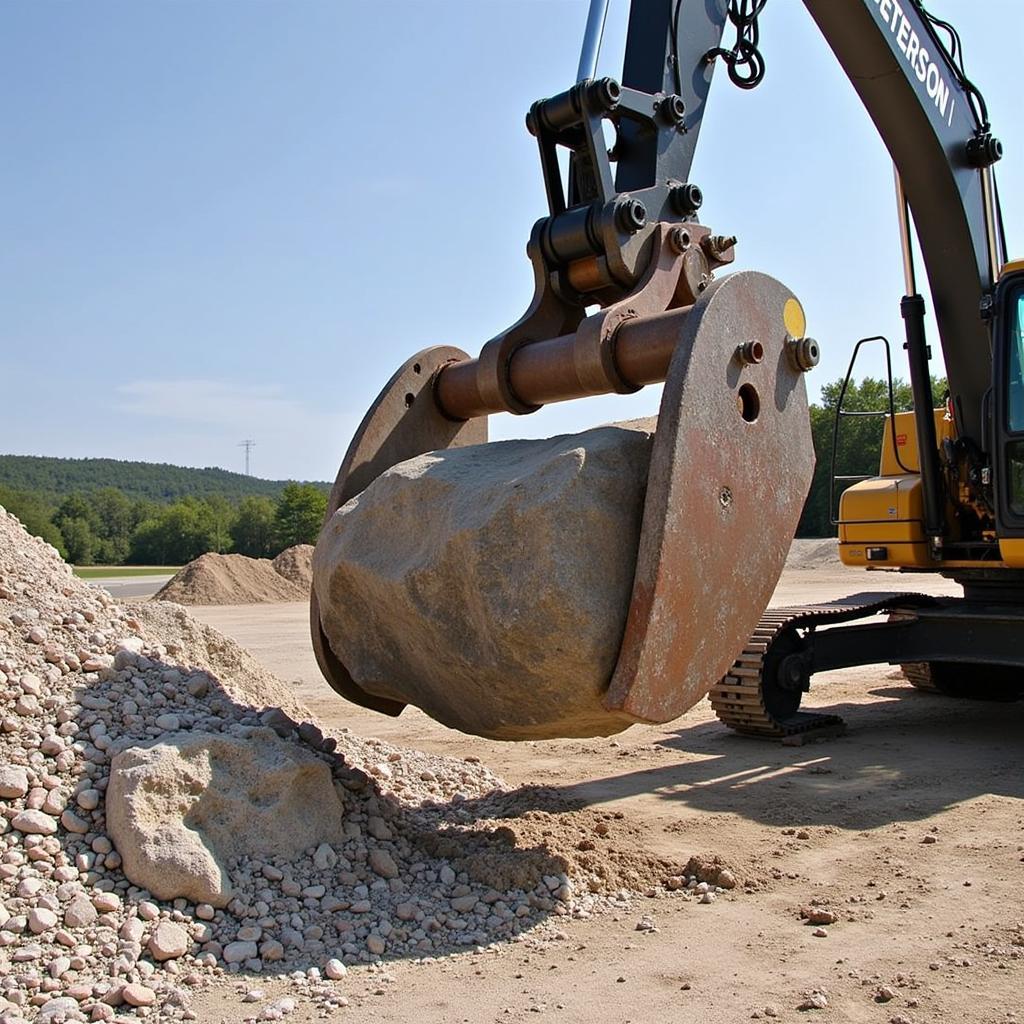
(730, 470)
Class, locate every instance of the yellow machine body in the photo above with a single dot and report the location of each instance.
(881, 520)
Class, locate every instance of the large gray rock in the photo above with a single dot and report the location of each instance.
(180, 808)
(489, 585)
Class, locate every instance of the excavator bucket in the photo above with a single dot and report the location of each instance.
(730, 466)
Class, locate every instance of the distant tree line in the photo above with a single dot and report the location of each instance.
(54, 479)
(106, 527)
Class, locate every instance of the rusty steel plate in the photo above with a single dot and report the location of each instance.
(403, 422)
(730, 470)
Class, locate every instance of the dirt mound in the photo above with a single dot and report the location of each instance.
(230, 579)
(813, 553)
(296, 564)
(431, 853)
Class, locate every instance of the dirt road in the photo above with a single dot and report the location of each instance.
(131, 588)
(910, 830)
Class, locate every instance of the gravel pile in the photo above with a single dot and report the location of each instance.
(430, 854)
(813, 553)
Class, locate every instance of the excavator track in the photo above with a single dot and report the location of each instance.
(745, 701)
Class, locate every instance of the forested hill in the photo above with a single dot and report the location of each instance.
(54, 479)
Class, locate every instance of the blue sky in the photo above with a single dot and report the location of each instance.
(235, 218)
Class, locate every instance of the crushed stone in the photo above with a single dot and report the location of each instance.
(436, 854)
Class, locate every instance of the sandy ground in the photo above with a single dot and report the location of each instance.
(910, 827)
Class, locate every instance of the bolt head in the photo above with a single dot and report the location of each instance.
(679, 239)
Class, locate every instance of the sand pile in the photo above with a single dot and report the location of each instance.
(410, 854)
(296, 564)
(236, 579)
(813, 553)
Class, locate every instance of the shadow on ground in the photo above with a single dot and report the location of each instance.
(905, 756)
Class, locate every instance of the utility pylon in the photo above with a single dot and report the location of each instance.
(248, 444)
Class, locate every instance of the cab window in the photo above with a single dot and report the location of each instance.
(1015, 403)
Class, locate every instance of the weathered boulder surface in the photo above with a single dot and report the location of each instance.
(180, 808)
(489, 585)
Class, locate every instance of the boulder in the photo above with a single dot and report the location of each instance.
(489, 585)
(181, 807)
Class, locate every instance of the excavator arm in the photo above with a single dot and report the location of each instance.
(626, 294)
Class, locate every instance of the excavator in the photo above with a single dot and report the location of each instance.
(630, 291)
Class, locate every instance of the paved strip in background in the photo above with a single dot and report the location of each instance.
(131, 587)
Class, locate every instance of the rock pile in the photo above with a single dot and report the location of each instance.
(238, 579)
(156, 827)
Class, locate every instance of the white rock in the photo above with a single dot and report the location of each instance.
(88, 799)
(106, 902)
(80, 913)
(383, 863)
(238, 952)
(41, 920)
(148, 911)
(13, 782)
(34, 823)
(168, 941)
(335, 970)
(132, 930)
(63, 1008)
(324, 858)
(73, 823)
(237, 795)
(29, 887)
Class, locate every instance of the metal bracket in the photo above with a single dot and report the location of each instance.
(658, 290)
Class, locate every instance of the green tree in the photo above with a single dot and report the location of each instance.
(77, 506)
(80, 542)
(859, 444)
(176, 534)
(300, 513)
(253, 532)
(78, 524)
(116, 521)
(219, 516)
